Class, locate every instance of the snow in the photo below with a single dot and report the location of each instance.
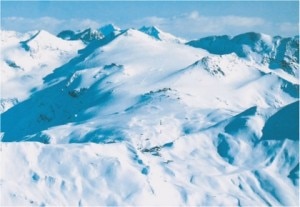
(137, 119)
(87, 35)
(108, 29)
(160, 35)
(275, 52)
(26, 59)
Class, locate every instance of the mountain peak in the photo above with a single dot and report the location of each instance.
(109, 29)
(42, 40)
(152, 31)
(39, 36)
(251, 38)
(86, 35)
(158, 34)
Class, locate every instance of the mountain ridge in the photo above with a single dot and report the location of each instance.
(125, 117)
(273, 50)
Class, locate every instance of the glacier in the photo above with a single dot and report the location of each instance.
(140, 117)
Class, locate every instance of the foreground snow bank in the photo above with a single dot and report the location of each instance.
(118, 174)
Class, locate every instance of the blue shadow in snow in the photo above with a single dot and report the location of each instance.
(284, 124)
(240, 120)
(53, 106)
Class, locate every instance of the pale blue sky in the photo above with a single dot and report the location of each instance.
(186, 19)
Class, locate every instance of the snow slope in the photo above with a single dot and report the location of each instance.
(276, 52)
(135, 119)
(26, 59)
(160, 35)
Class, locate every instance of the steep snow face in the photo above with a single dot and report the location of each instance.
(154, 122)
(160, 35)
(276, 52)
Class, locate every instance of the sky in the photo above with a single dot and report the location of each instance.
(187, 19)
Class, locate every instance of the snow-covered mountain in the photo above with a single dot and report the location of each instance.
(160, 35)
(86, 36)
(138, 117)
(89, 35)
(26, 59)
(276, 52)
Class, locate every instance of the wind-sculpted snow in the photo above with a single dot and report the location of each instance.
(136, 117)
